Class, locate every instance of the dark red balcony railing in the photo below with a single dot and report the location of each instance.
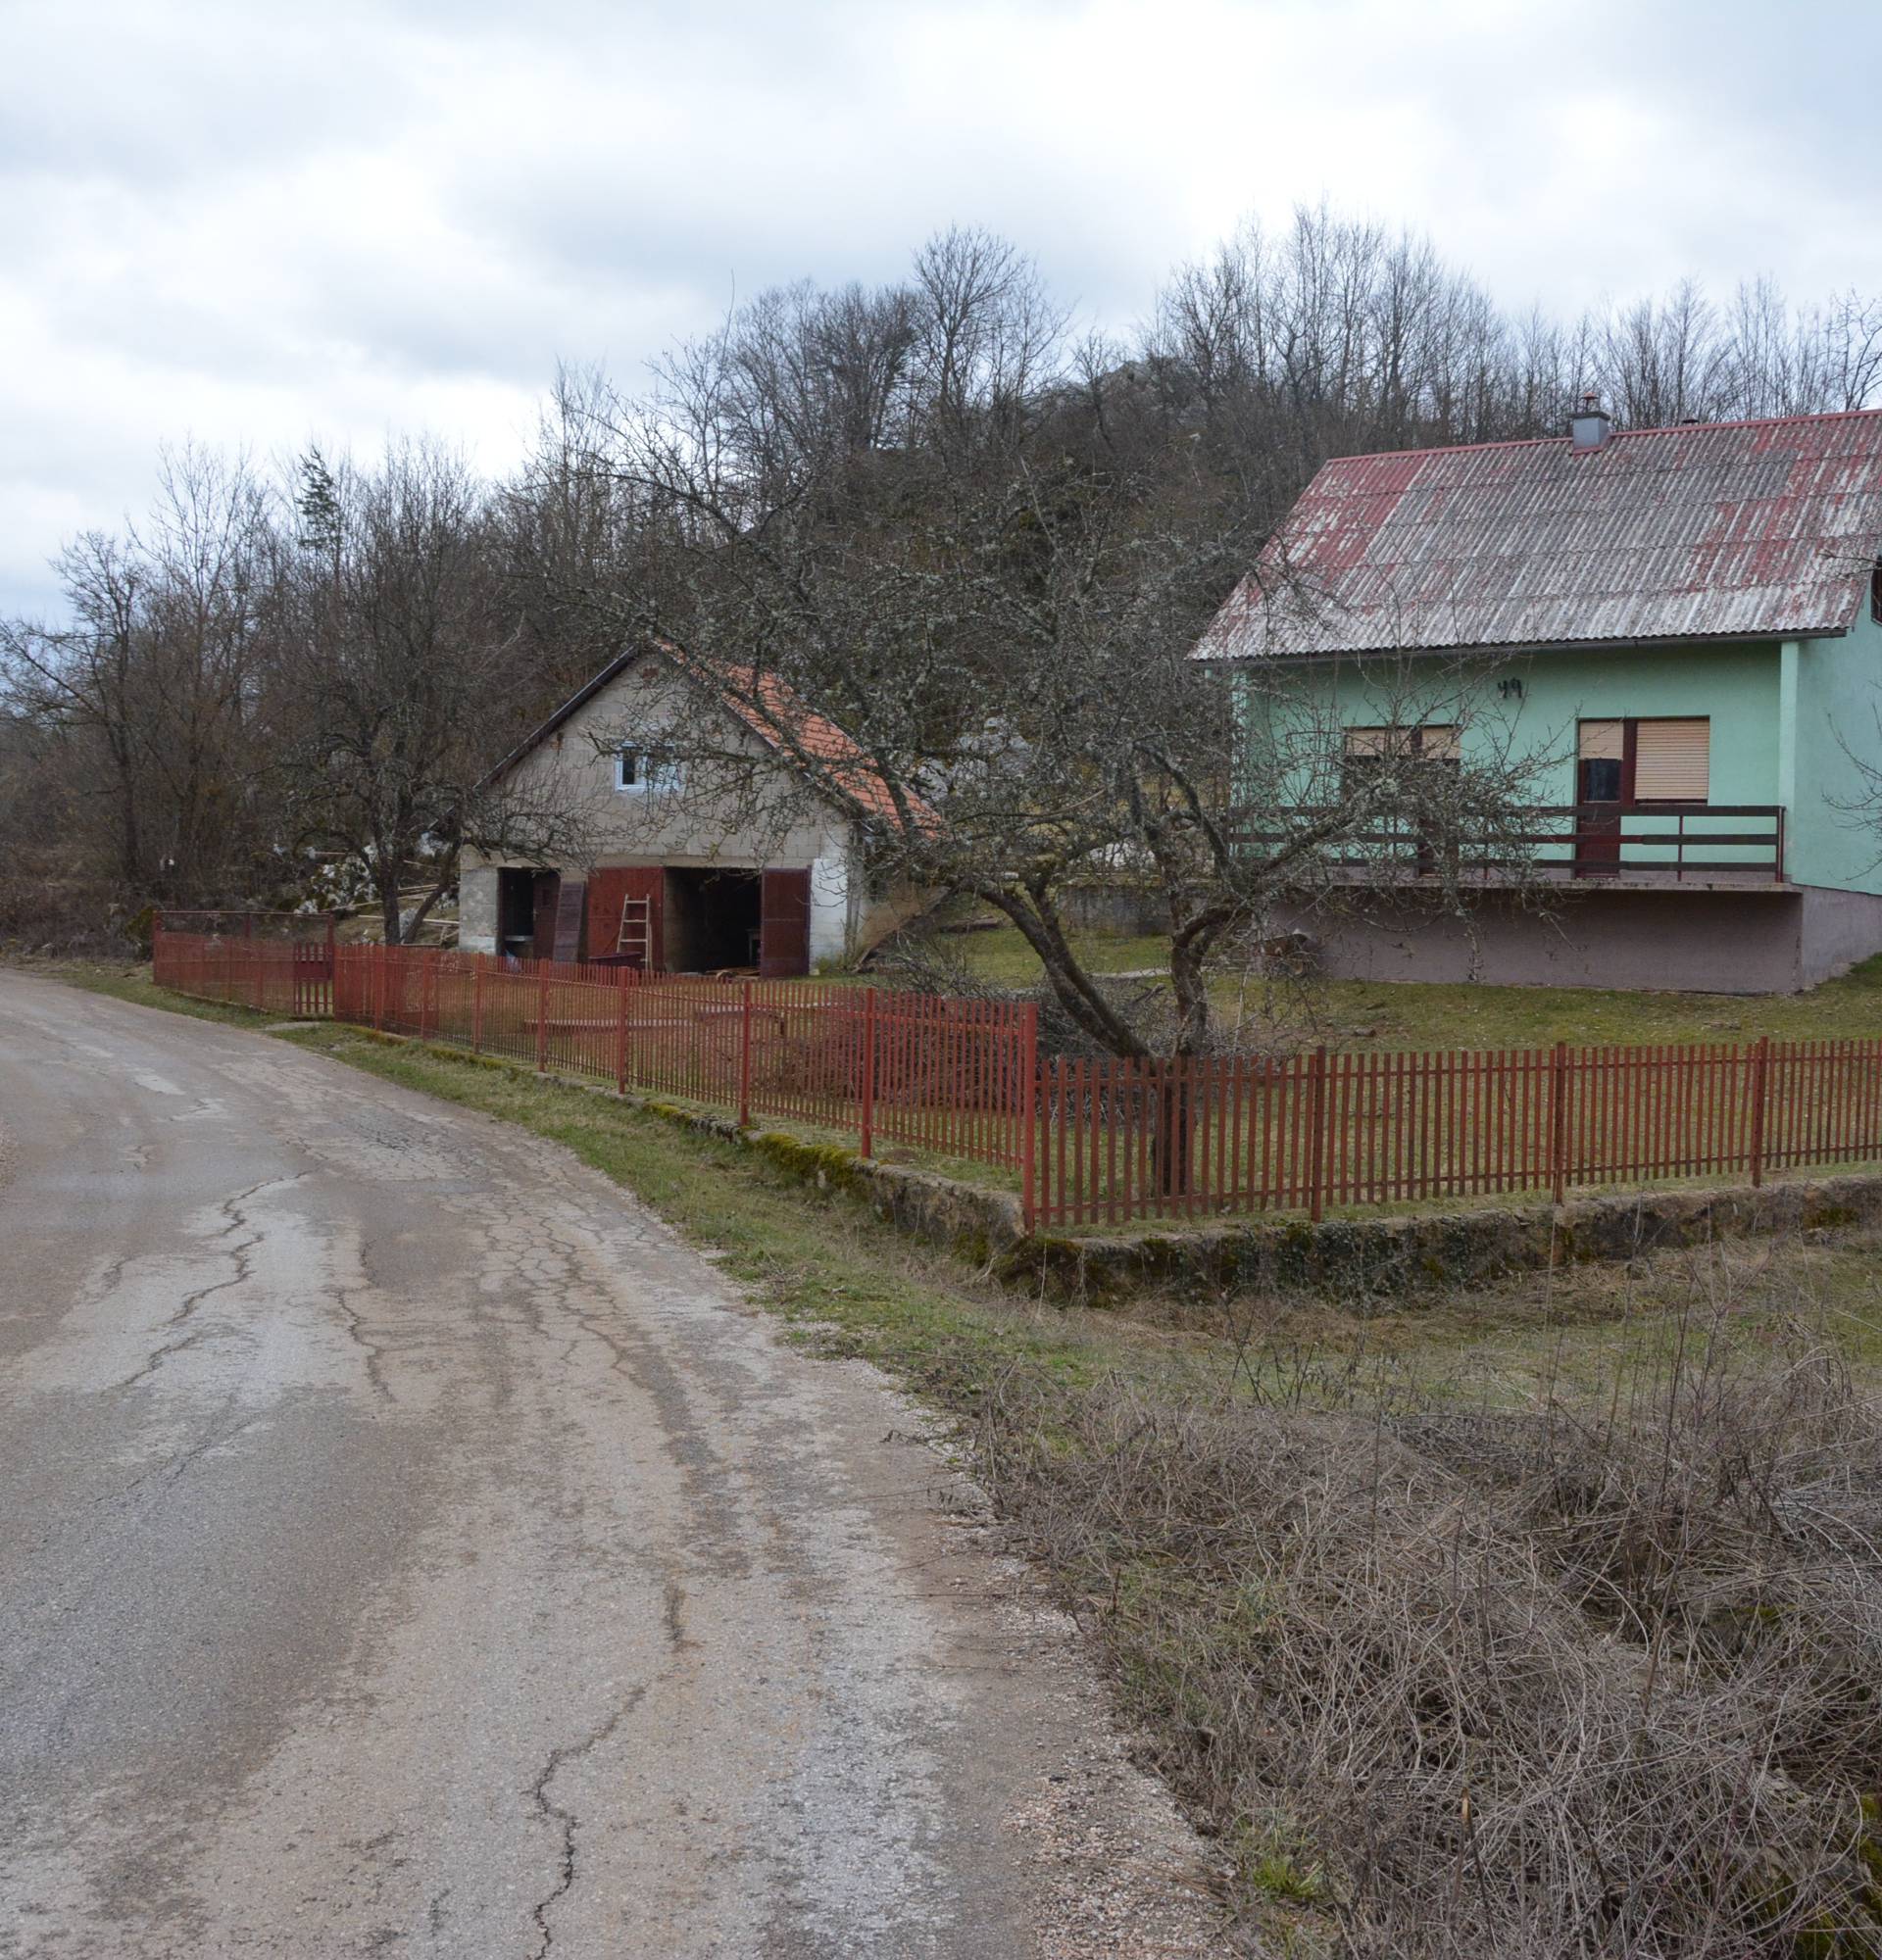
(1677, 841)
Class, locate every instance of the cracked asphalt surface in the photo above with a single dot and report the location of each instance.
(407, 1546)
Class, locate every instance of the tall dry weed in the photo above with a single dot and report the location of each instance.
(1596, 1671)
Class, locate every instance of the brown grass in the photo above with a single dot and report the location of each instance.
(1601, 1675)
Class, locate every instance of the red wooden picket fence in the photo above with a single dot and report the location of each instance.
(280, 962)
(1101, 1142)
(1124, 1140)
(922, 1071)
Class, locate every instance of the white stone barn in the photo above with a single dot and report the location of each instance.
(676, 879)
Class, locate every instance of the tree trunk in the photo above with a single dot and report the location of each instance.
(1189, 947)
(1176, 1125)
(1075, 989)
(1189, 983)
(425, 903)
(385, 875)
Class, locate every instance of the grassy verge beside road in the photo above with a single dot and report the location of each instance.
(1532, 1620)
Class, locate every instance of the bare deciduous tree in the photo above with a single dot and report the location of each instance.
(407, 672)
(161, 678)
(998, 611)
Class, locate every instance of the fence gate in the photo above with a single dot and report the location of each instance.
(313, 978)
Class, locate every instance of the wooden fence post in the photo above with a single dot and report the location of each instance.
(1558, 1122)
(542, 1015)
(1316, 1135)
(1028, 1114)
(745, 1058)
(620, 1034)
(476, 1008)
(1760, 1075)
(332, 965)
(868, 1142)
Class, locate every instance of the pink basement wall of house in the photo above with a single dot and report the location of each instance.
(1692, 941)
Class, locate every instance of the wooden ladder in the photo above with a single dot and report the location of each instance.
(636, 935)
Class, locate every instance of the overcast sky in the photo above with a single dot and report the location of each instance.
(262, 223)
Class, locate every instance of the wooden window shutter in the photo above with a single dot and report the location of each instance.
(1603, 740)
(1438, 741)
(1368, 741)
(1672, 760)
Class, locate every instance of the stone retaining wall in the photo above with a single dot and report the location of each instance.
(1357, 1257)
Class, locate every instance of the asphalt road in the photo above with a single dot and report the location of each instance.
(408, 1546)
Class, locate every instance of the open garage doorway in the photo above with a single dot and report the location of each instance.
(526, 906)
(714, 920)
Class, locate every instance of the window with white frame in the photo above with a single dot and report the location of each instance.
(641, 768)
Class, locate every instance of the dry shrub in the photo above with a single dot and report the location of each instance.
(1595, 1675)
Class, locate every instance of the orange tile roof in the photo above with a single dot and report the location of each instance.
(769, 707)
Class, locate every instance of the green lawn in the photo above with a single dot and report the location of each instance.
(1001, 953)
(1349, 1013)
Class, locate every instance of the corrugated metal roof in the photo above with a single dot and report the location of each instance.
(1740, 530)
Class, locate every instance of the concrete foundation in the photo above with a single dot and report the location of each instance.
(1840, 928)
(1778, 940)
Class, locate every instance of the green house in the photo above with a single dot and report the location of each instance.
(1675, 633)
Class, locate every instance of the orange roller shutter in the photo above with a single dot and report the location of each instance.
(1672, 760)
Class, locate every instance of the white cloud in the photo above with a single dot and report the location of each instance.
(256, 224)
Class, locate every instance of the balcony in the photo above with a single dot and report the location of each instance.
(1630, 846)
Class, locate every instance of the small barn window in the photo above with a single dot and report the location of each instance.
(642, 770)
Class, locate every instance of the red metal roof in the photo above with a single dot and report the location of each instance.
(1732, 530)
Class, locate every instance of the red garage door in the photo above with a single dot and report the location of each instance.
(607, 890)
(784, 925)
